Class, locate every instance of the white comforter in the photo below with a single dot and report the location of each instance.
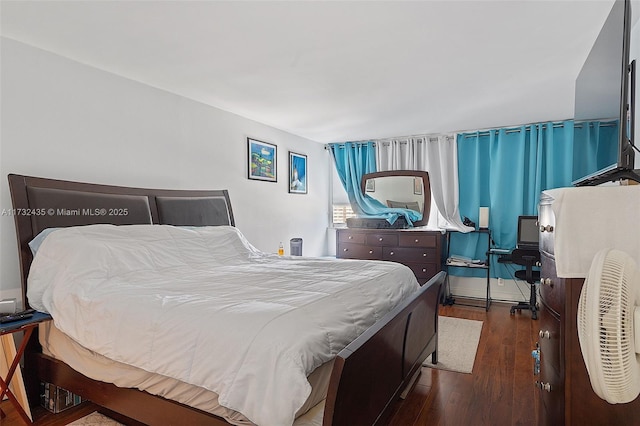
(205, 307)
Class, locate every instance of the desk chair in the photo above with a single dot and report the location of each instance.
(528, 258)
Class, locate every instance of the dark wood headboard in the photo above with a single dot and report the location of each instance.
(42, 203)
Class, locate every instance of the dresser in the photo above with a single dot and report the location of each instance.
(419, 250)
(564, 393)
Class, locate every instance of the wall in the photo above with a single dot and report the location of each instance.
(65, 120)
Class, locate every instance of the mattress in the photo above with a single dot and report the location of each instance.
(95, 366)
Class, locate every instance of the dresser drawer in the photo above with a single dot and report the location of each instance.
(382, 239)
(418, 250)
(551, 378)
(551, 287)
(549, 339)
(552, 400)
(358, 251)
(423, 271)
(347, 236)
(547, 224)
(420, 239)
(409, 254)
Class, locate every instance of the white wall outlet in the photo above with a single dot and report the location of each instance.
(500, 282)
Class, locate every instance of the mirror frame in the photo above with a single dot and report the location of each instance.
(426, 188)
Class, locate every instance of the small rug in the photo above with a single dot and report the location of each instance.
(457, 344)
(95, 419)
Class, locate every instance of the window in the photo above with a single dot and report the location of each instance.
(342, 212)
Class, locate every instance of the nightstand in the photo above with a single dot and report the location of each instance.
(8, 345)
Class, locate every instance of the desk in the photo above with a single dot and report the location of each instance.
(484, 264)
(6, 334)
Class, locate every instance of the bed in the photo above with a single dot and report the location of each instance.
(394, 346)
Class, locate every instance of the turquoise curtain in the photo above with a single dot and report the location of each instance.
(596, 147)
(354, 160)
(505, 170)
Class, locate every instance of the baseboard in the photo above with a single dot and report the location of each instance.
(473, 287)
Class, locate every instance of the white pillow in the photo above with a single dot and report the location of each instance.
(35, 244)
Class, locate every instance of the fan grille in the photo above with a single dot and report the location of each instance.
(605, 319)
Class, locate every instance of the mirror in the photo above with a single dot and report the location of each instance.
(400, 188)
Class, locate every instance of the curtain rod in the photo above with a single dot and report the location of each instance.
(558, 123)
(482, 132)
(528, 129)
(508, 131)
(472, 133)
(405, 139)
(402, 139)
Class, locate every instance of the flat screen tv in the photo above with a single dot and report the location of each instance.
(604, 105)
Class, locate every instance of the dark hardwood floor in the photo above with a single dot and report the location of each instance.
(500, 390)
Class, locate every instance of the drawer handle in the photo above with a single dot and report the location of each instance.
(424, 269)
(547, 281)
(424, 254)
(370, 251)
(417, 240)
(543, 386)
(546, 386)
(391, 253)
(544, 334)
(547, 228)
(380, 239)
(345, 249)
(351, 237)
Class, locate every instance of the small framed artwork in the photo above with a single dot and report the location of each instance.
(417, 186)
(263, 160)
(370, 185)
(297, 173)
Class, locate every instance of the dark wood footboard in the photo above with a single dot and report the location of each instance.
(372, 371)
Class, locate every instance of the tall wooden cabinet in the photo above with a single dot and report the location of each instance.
(565, 396)
(419, 250)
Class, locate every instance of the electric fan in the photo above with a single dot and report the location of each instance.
(609, 326)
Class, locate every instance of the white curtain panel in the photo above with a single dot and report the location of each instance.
(435, 154)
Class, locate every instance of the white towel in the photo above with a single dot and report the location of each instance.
(589, 219)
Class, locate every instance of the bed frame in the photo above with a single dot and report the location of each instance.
(368, 376)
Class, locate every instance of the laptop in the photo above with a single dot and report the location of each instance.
(528, 233)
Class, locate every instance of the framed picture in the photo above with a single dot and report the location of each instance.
(370, 185)
(263, 160)
(297, 173)
(417, 186)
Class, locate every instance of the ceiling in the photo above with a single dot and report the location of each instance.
(334, 70)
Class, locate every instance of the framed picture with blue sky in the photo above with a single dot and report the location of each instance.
(263, 158)
(297, 173)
